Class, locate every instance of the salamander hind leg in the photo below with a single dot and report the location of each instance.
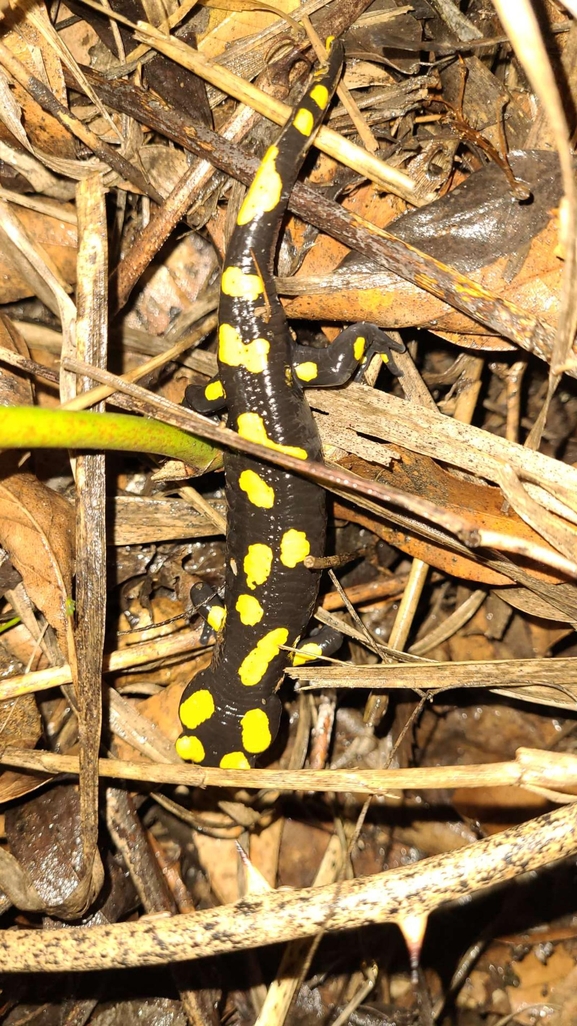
(323, 641)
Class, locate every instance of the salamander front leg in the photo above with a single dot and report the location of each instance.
(209, 605)
(205, 399)
(347, 356)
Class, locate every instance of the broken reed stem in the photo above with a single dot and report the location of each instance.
(280, 916)
(531, 768)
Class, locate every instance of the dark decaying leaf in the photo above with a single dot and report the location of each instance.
(479, 221)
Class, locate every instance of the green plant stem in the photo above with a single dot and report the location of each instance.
(29, 427)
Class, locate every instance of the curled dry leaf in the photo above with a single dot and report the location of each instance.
(44, 132)
(476, 229)
(476, 501)
(20, 727)
(37, 532)
(58, 239)
(15, 387)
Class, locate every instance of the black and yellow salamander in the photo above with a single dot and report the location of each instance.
(230, 712)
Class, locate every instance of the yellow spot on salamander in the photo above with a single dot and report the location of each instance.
(215, 618)
(307, 371)
(320, 95)
(265, 191)
(259, 492)
(251, 426)
(256, 735)
(234, 760)
(190, 748)
(214, 390)
(196, 709)
(359, 348)
(249, 609)
(235, 353)
(303, 121)
(253, 668)
(257, 564)
(236, 283)
(294, 547)
(329, 42)
(306, 653)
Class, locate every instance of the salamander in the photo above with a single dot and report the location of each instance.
(230, 712)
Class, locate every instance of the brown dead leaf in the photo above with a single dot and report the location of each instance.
(480, 991)
(37, 532)
(226, 27)
(79, 38)
(220, 860)
(535, 287)
(20, 724)
(498, 808)
(15, 386)
(56, 238)
(264, 849)
(34, 27)
(482, 504)
(367, 201)
(20, 727)
(173, 286)
(552, 982)
(303, 847)
(162, 711)
(466, 229)
(43, 131)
